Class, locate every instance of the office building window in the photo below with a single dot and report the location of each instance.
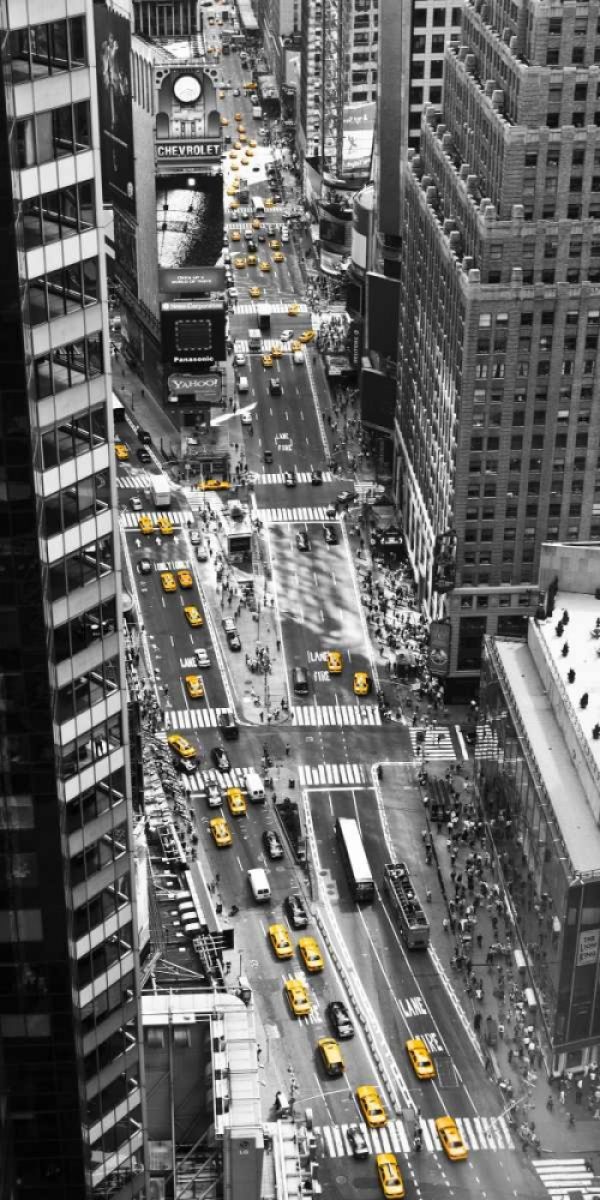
(49, 49)
(50, 135)
(55, 215)
(66, 366)
(62, 291)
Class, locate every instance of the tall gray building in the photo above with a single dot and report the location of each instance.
(69, 1019)
(498, 421)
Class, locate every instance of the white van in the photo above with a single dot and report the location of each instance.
(243, 385)
(257, 878)
(255, 787)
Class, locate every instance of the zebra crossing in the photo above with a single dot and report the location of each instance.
(437, 743)
(193, 718)
(316, 715)
(250, 309)
(487, 744)
(560, 1176)
(130, 519)
(279, 477)
(136, 479)
(200, 779)
(274, 516)
(479, 1133)
(333, 775)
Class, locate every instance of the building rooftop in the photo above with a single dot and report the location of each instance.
(559, 774)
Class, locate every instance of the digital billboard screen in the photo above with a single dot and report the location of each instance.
(193, 333)
(113, 49)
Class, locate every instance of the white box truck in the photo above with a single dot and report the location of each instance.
(161, 491)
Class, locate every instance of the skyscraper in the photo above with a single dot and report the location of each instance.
(498, 417)
(69, 1022)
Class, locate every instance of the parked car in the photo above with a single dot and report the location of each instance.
(272, 844)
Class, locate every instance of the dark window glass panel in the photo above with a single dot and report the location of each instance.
(77, 41)
(82, 126)
(59, 47)
(62, 124)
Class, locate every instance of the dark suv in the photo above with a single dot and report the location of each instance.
(339, 1019)
(296, 911)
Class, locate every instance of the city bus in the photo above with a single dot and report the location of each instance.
(355, 860)
(258, 205)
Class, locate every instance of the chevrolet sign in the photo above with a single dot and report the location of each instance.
(187, 151)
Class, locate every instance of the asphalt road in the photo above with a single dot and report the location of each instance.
(393, 993)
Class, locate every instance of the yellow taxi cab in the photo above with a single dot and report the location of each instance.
(194, 687)
(331, 1056)
(251, 260)
(371, 1105)
(236, 802)
(296, 994)
(145, 524)
(276, 350)
(295, 346)
(361, 684)
(310, 954)
(252, 143)
(237, 116)
(220, 831)
(280, 941)
(269, 202)
(237, 145)
(233, 154)
(293, 309)
(241, 128)
(168, 582)
(256, 224)
(193, 615)
(335, 662)
(274, 244)
(267, 360)
(244, 162)
(307, 336)
(251, 86)
(389, 1176)
(420, 1058)
(234, 204)
(185, 578)
(239, 262)
(278, 257)
(234, 166)
(255, 293)
(242, 137)
(181, 746)
(232, 189)
(264, 266)
(451, 1139)
(209, 485)
(235, 235)
(221, 95)
(224, 120)
(121, 451)
(165, 526)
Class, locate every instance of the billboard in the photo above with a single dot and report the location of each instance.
(113, 48)
(444, 562)
(438, 652)
(125, 251)
(205, 390)
(173, 150)
(193, 332)
(357, 141)
(193, 280)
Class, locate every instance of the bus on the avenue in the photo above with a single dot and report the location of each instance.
(355, 860)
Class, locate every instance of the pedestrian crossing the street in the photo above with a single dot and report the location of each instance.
(316, 715)
(130, 519)
(563, 1176)
(333, 775)
(436, 743)
(193, 718)
(274, 516)
(279, 477)
(479, 1133)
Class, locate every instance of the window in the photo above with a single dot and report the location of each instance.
(438, 42)
(555, 26)
(62, 291)
(60, 214)
(439, 16)
(49, 49)
(578, 55)
(51, 135)
(419, 43)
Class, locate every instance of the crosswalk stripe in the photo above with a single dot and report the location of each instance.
(398, 1132)
(385, 1140)
(437, 742)
(467, 1132)
(193, 718)
(317, 715)
(376, 1140)
(339, 1141)
(130, 519)
(136, 479)
(502, 1124)
(486, 1138)
(559, 1175)
(327, 1132)
(275, 516)
(279, 477)
(394, 1137)
(247, 309)
(430, 1138)
(332, 774)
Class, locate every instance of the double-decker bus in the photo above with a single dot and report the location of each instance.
(355, 860)
(414, 926)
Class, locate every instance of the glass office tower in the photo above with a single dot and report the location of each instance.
(69, 960)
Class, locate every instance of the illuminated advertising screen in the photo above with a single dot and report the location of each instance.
(357, 142)
(113, 48)
(193, 333)
(438, 653)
